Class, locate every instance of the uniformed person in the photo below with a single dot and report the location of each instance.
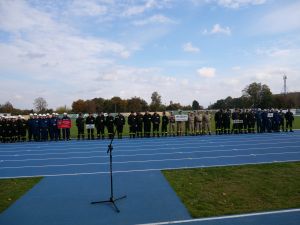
(36, 127)
(281, 123)
(119, 123)
(147, 124)
(43, 123)
(80, 126)
(156, 122)
(100, 125)
(139, 121)
(132, 122)
(109, 122)
(264, 120)
(66, 131)
(226, 121)
(198, 123)
(1, 128)
(206, 123)
(258, 118)
(218, 121)
(22, 127)
(164, 124)
(30, 127)
(53, 127)
(90, 121)
(172, 124)
(289, 117)
(180, 125)
(243, 123)
(191, 123)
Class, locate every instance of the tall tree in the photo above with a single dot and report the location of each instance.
(137, 104)
(40, 104)
(79, 106)
(7, 107)
(259, 95)
(195, 105)
(155, 101)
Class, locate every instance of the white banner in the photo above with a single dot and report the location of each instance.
(270, 115)
(237, 121)
(183, 118)
(90, 126)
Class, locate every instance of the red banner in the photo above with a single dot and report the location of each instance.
(64, 123)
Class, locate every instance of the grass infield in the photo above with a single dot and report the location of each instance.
(12, 189)
(230, 190)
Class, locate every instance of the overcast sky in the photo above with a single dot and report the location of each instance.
(64, 50)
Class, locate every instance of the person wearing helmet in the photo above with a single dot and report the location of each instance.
(66, 131)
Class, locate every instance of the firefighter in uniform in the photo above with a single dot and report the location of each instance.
(90, 121)
(180, 126)
(289, 117)
(36, 128)
(66, 131)
(80, 126)
(172, 125)
(1, 128)
(251, 122)
(156, 122)
(164, 124)
(258, 118)
(132, 122)
(119, 122)
(100, 125)
(206, 123)
(139, 128)
(218, 121)
(44, 128)
(281, 124)
(30, 127)
(226, 121)
(53, 129)
(147, 124)
(191, 123)
(22, 127)
(109, 121)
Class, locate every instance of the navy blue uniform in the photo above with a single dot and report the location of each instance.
(53, 129)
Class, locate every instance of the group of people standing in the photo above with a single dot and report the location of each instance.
(246, 120)
(43, 127)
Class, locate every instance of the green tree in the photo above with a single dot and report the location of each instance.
(79, 106)
(259, 95)
(155, 101)
(40, 104)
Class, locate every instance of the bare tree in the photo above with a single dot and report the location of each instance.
(40, 104)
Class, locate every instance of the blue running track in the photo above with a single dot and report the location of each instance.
(76, 172)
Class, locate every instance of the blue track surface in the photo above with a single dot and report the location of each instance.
(136, 164)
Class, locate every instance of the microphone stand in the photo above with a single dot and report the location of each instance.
(111, 200)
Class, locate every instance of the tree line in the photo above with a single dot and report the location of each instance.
(254, 95)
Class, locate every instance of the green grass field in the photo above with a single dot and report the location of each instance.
(12, 189)
(126, 128)
(237, 189)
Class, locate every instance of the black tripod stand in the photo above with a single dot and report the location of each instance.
(111, 199)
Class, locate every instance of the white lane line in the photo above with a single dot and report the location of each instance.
(156, 142)
(150, 161)
(149, 154)
(153, 149)
(148, 170)
(224, 217)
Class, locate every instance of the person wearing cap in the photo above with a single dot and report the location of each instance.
(36, 127)
(80, 126)
(90, 122)
(132, 122)
(53, 127)
(258, 118)
(156, 123)
(21, 126)
(30, 127)
(44, 125)
(66, 131)
(100, 125)
(119, 123)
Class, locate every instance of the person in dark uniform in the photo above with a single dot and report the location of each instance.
(156, 122)
(22, 127)
(264, 121)
(258, 118)
(100, 125)
(7, 130)
(109, 121)
(164, 124)
(235, 124)
(90, 121)
(270, 121)
(289, 117)
(119, 123)
(132, 122)
(172, 124)
(30, 127)
(281, 118)
(53, 129)
(43, 123)
(80, 126)
(276, 121)
(139, 121)
(1, 128)
(218, 121)
(147, 124)
(226, 121)
(36, 128)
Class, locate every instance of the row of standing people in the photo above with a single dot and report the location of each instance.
(245, 121)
